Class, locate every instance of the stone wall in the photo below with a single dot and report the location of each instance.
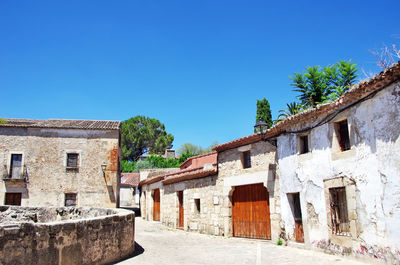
(263, 170)
(371, 166)
(214, 206)
(44, 155)
(65, 235)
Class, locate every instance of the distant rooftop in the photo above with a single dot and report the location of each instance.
(63, 124)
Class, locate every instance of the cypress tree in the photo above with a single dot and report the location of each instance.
(263, 113)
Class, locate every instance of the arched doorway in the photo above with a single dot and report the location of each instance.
(250, 212)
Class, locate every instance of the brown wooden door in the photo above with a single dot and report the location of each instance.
(156, 207)
(250, 212)
(298, 231)
(13, 198)
(298, 223)
(181, 210)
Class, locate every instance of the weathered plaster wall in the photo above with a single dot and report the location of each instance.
(65, 235)
(373, 163)
(263, 170)
(127, 196)
(44, 155)
(214, 206)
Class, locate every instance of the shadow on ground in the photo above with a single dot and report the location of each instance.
(134, 209)
(138, 251)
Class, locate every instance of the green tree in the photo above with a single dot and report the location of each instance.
(189, 148)
(292, 109)
(263, 113)
(142, 135)
(320, 85)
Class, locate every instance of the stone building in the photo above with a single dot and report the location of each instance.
(192, 199)
(234, 192)
(129, 189)
(339, 168)
(59, 162)
(187, 197)
(150, 182)
(327, 178)
(247, 173)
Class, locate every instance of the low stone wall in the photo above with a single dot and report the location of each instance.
(65, 235)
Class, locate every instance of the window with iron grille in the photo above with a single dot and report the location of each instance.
(246, 159)
(339, 217)
(16, 166)
(70, 199)
(342, 133)
(72, 160)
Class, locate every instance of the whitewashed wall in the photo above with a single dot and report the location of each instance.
(373, 163)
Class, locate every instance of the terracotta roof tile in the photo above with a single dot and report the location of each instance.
(191, 173)
(356, 93)
(202, 166)
(63, 124)
(130, 179)
(211, 155)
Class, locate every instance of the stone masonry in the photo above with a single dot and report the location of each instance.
(65, 235)
(45, 145)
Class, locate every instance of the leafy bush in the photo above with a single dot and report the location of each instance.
(153, 161)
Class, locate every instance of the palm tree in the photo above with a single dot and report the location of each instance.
(319, 85)
(292, 109)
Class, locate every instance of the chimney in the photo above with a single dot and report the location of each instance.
(169, 153)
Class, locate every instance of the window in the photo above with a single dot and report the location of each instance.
(70, 199)
(72, 160)
(342, 133)
(303, 144)
(246, 159)
(197, 205)
(13, 198)
(16, 166)
(339, 217)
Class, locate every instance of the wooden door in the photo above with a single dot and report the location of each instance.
(298, 223)
(181, 210)
(156, 205)
(298, 231)
(13, 198)
(250, 212)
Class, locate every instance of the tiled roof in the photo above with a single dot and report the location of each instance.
(151, 180)
(198, 157)
(63, 124)
(356, 93)
(201, 166)
(190, 173)
(130, 179)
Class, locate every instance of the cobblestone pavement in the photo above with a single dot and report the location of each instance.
(157, 244)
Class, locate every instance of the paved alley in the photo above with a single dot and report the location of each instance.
(157, 244)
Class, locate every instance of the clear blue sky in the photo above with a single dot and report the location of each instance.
(197, 66)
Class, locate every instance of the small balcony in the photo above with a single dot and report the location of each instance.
(16, 174)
